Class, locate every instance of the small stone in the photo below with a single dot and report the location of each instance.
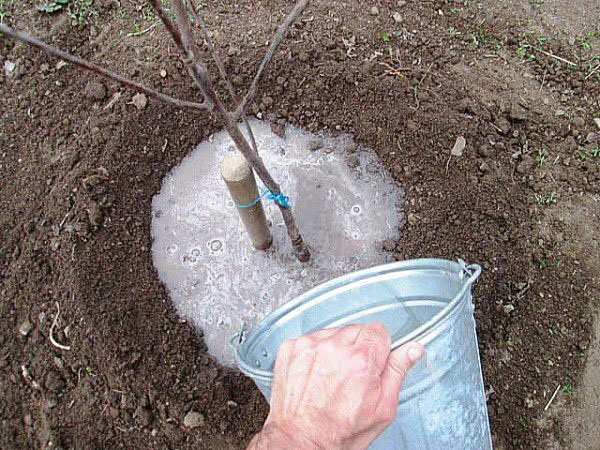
(54, 244)
(397, 17)
(25, 328)
(350, 147)
(559, 113)
(508, 309)
(50, 401)
(597, 122)
(278, 129)
(315, 144)
(163, 73)
(143, 417)
(401, 3)
(374, 10)
(485, 151)
(303, 57)
(139, 101)
(54, 382)
(94, 214)
(579, 122)
(193, 419)
(94, 90)
(522, 168)
(389, 245)
(484, 167)
(517, 113)
(28, 419)
(412, 219)
(9, 67)
(503, 125)
(231, 403)
(459, 146)
(328, 150)
(353, 161)
(44, 68)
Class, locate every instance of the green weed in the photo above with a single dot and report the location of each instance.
(546, 199)
(454, 32)
(82, 11)
(541, 157)
(567, 388)
(4, 6)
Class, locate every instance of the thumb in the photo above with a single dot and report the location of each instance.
(400, 362)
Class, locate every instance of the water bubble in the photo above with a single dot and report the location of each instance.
(355, 235)
(264, 353)
(257, 363)
(192, 259)
(171, 249)
(195, 252)
(356, 209)
(215, 245)
(158, 214)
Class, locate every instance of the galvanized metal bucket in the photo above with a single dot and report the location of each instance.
(442, 404)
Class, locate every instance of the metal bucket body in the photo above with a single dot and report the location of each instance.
(442, 403)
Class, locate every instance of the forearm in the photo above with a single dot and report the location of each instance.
(274, 437)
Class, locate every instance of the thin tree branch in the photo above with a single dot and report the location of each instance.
(199, 22)
(28, 39)
(162, 14)
(281, 31)
(198, 69)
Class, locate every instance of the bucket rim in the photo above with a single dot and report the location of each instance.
(422, 334)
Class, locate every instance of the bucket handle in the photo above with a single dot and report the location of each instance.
(473, 270)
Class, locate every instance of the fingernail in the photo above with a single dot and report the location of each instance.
(415, 353)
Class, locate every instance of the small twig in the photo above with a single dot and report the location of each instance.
(29, 378)
(281, 31)
(199, 22)
(51, 335)
(552, 398)
(566, 61)
(426, 73)
(27, 39)
(115, 98)
(592, 72)
(139, 33)
(543, 81)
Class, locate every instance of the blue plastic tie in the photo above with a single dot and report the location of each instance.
(279, 199)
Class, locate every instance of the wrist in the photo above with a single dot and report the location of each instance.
(286, 435)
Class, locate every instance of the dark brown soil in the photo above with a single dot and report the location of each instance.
(78, 180)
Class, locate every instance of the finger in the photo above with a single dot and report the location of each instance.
(399, 363)
(280, 376)
(324, 334)
(347, 334)
(374, 333)
(299, 367)
(378, 341)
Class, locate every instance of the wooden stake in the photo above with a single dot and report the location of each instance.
(239, 178)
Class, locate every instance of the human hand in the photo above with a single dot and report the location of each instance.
(337, 388)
